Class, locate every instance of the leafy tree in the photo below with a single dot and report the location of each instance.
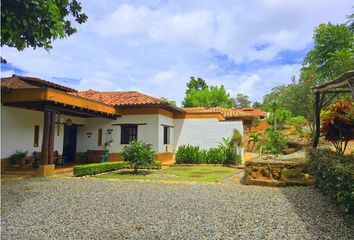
(333, 52)
(242, 101)
(139, 154)
(278, 118)
(196, 84)
(337, 124)
(212, 96)
(37, 23)
(256, 104)
(173, 103)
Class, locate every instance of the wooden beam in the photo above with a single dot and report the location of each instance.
(51, 138)
(317, 120)
(45, 139)
(325, 103)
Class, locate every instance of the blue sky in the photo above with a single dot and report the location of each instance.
(155, 46)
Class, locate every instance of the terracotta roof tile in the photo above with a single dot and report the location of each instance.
(128, 98)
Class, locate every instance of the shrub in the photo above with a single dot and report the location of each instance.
(215, 156)
(337, 124)
(231, 148)
(138, 154)
(96, 168)
(274, 141)
(334, 174)
(187, 154)
(224, 154)
(17, 156)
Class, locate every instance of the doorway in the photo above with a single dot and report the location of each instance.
(69, 144)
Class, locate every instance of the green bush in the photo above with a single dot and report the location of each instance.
(334, 176)
(96, 168)
(187, 154)
(274, 142)
(215, 156)
(224, 154)
(17, 156)
(138, 154)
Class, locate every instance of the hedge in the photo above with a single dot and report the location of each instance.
(334, 176)
(187, 154)
(96, 168)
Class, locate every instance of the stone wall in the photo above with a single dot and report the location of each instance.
(277, 173)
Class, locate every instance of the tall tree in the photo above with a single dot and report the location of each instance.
(242, 101)
(196, 84)
(37, 23)
(256, 104)
(199, 94)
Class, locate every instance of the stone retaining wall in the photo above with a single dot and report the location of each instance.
(277, 173)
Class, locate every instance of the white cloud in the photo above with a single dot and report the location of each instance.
(155, 46)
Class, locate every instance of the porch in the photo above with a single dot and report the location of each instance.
(55, 113)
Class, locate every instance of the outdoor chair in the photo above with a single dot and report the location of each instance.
(105, 157)
(37, 159)
(59, 159)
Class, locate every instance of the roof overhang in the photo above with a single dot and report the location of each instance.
(41, 98)
(343, 83)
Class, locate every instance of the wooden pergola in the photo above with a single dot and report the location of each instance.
(326, 92)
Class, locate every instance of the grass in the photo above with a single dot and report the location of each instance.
(176, 173)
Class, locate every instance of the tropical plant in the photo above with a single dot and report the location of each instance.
(187, 154)
(229, 148)
(236, 141)
(37, 23)
(274, 141)
(298, 122)
(18, 156)
(337, 124)
(278, 118)
(139, 154)
(254, 138)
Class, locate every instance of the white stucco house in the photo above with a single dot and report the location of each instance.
(38, 115)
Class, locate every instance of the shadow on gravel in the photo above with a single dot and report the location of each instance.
(322, 217)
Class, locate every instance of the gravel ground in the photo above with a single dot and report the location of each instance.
(39, 208)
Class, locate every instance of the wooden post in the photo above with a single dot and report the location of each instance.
(45, 140)
(317, 119)
(51, 138)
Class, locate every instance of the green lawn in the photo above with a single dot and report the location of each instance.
(176, 173)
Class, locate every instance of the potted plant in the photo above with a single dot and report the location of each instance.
(17, 157)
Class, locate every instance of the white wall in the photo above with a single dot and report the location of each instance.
(17, 130)
(147, 133)
(205, 133)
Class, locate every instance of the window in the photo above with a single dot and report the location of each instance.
(99, 137)
(128, 133)
(166, 135)
(36, 136)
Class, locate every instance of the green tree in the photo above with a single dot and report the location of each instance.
(242, 101)
(138, 154)
(333, 52)
(196, 84)
(173, 103)
(37, 23)
(212, 96)
(256, 104)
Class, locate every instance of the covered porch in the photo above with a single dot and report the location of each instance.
(62, 113)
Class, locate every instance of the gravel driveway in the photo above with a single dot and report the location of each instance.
(39, 208)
